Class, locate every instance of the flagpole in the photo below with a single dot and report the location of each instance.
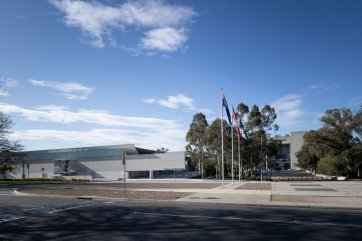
(222, 138)
(232, 154)
(239, 158)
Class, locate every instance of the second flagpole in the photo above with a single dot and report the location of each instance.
(222, 138)
(232, 154)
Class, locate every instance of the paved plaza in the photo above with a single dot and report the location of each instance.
(341, 194)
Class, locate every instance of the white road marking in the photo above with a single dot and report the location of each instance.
(57, 209)
(68, 208)
(7, 218)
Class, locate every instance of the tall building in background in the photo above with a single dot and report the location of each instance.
(291, 144)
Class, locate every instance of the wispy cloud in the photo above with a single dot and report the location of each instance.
(61, 114)
(11, 83)
(5, 84)
(72, 91)
(4, 93)
(173, 102)
(163, 24)
(141, 131)
(173, 139)
(19, 17)
(177, 102)
(323, 86)
(288, 110)
(8, 82)
(355, 102)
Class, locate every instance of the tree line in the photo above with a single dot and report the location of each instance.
(334, 149)
(204, 141)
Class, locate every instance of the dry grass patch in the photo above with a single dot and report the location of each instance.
(106, 193)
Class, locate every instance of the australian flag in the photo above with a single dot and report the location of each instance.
(225, 104)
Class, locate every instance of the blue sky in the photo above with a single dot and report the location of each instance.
(85, 73)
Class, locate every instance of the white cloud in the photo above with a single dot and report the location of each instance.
(288, 102)
(60, 114)
(115, 129)
(72, 91)
(164, 39)
(173, 139)
(177, 101)
(173, 102)
(324, 87)
(150, 101)
(288, 110)
(155, 17)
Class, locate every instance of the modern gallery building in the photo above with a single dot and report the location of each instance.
(100, 162)
(116, 162)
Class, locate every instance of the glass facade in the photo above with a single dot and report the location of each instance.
(74, 154)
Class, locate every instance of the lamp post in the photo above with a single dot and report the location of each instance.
(124, 173)
(23, 175)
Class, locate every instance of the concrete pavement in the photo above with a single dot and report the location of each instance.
(340, 194)
(303, 194)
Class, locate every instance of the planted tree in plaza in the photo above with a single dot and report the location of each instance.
(195, 138)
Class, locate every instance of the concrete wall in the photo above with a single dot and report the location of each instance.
(157, 161)
(296, 143)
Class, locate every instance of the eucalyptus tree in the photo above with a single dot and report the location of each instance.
(242, 109)
(259, 124)
(337, 145)
(213, 144)
(195, 138)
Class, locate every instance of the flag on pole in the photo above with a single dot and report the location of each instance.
(241, 126)
(225, 104)
(235, 118)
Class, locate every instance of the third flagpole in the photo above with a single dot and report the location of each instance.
(232, 154)
(239, 158)
(222, 138)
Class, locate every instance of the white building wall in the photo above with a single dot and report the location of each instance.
(109, 168)
(34, 171)
(157, 161)
(296, 143)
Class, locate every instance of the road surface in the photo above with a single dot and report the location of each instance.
(44, 218)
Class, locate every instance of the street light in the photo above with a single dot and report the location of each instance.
(23, 175)
(124, 173)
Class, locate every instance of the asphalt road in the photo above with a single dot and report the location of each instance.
(40, 218)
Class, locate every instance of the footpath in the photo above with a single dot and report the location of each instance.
(301, 194)
(328, 194)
